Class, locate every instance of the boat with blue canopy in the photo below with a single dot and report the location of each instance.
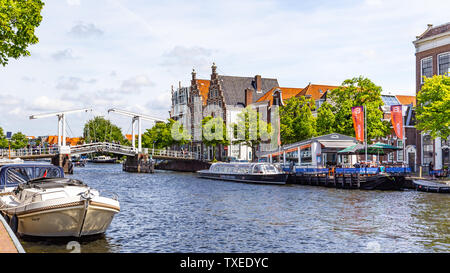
(37, 200)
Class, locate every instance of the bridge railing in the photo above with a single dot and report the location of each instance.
(29, 151)
(174, 154)
(103, 147)
(98, 147)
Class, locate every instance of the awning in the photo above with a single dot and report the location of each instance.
(336, 144)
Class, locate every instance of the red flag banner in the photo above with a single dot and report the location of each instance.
(358, 122)
(397, 120)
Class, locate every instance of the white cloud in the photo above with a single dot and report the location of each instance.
(72, 83)
(73, 2)
(84, 30)
(136, 84)
(65, 54)
(45, 104)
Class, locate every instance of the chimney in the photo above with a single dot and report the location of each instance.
(258, 83)
(179, 84)
(248, 97)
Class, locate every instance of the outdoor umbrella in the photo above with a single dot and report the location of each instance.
(382, 148)
(354, 149)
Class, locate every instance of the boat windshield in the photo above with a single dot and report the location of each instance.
(17, 174)
(270, 169)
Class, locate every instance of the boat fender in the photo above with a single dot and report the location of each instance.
(14, 223)
(7, 219)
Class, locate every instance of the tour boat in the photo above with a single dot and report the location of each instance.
(103, 159)
(264, 173)
(37, 200)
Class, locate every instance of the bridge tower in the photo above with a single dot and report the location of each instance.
(62, 158)
(140, 162)
(136, 118)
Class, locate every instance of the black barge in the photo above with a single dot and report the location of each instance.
(350, 178)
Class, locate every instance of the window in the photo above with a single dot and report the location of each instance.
(400, 152)
(426, 68)
(444, 63)
(427, 150)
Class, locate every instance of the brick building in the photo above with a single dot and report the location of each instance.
(220, 96)
(432, 58)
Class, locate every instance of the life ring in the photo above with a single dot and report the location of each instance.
(14, 223)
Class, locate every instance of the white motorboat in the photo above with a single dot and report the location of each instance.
(44, 203)
(262, 173)
(104, 159)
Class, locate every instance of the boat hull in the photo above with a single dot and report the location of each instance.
(74, 219)
(279, 179)
(382, 182)
(430, 186)
(104, 160)
(375, 182)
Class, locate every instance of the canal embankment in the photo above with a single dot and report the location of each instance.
(8, 240)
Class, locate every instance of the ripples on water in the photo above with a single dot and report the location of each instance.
(177, 212)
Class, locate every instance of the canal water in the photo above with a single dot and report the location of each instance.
(178, 212)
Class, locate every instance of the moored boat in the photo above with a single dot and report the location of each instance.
(352, 178)
(262, 173)
(37, 200)
(103, 159)
(431, 186)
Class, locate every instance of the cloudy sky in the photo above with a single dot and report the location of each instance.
(126, 54)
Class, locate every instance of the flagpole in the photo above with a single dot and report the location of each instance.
(365, 129)
(404, 144)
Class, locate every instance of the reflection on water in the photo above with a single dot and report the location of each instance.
(177, 212)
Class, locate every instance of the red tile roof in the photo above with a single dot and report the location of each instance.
(316, 91)
(405, 100)
(72, 141)
(286, 93)
(203, 87)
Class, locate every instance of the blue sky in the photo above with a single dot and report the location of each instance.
(127, 54)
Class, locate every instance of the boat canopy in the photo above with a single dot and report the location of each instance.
(14, 174)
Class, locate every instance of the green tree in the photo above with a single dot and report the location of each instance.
(214, 132)
(159, 136)
(297, 122)
(358, 92)
(99, 129)
(433, 107)
(179, 134)
(165, 134)
(19, 141)
(18, 21)
(3, 141)
(250, 130)
(325, 119)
